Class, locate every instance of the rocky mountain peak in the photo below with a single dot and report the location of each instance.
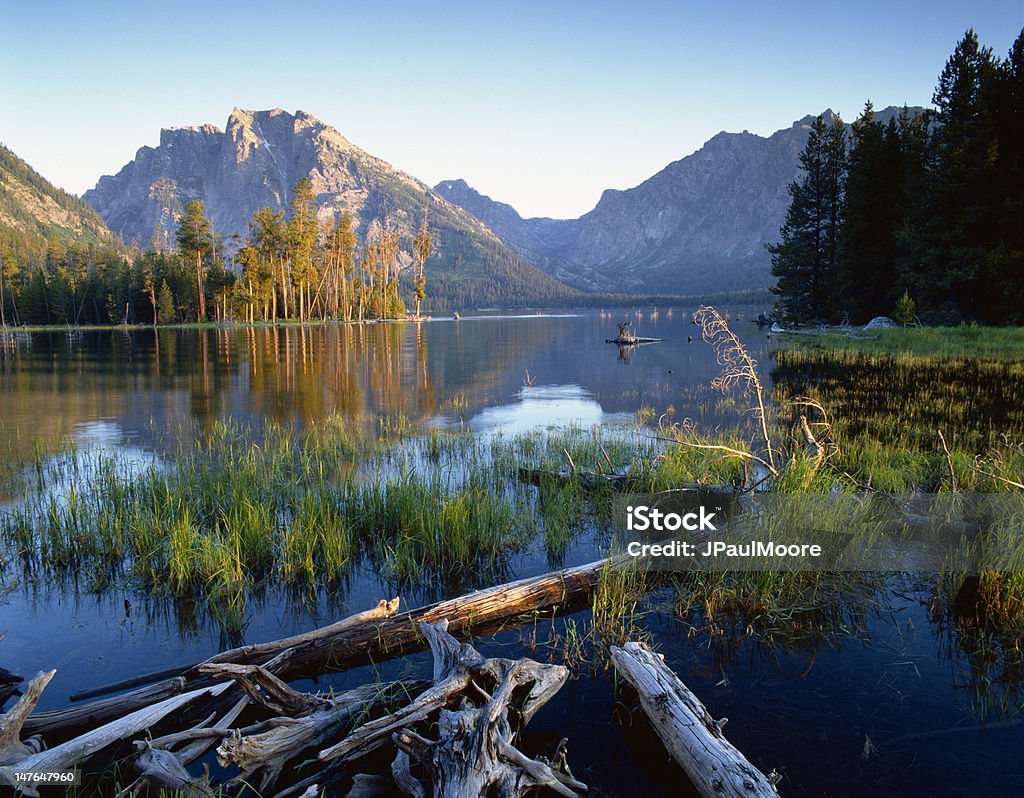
(450, 188)
(700, 224)
(188, 136)
(257, 160)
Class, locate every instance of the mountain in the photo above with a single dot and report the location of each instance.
(698, 225)
(34, 210)
(257, 159)
(541, 240)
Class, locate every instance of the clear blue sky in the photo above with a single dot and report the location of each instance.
(541, 105)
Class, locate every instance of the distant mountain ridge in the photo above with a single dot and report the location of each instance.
(32, 207)
(700, 224)
(257, 159)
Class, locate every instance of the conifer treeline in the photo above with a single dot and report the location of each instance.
(286, 268)
(922, 215)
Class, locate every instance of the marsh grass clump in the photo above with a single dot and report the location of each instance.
(980, 622)
(617, 604)
(777, 603)
(889, 406)
(240, 509)
(419, 528)
(966, 341)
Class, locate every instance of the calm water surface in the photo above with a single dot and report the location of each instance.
(807, 706)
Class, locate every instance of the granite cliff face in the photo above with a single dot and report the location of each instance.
(700, 224)
(257, 159)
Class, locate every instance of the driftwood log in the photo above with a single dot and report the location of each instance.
(476, 705)
(191, 676)
(302, 722)
(384, 609)
(690, 735)
(70, 754)
(334, 648)
(474, 755)
(12, 749)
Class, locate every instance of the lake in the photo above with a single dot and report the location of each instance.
(878, 698)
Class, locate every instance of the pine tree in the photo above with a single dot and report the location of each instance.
(345, 236)
(268, 237)
(301, 235)
(165, 304)
(867, 275)
(912, 203)
(421, 251)
(963, 182)
(194, 241)
(1006, 256)
(804, 260)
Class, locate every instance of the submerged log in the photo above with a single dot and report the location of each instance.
(384, 609)
(690, 735)
(631, 340)
(6, 677)
(588, 479)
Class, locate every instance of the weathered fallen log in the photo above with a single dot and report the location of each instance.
(477, 612)
(267, 745)
(104, 710)
(12, 749)
(69, 754)
(267, 651)
(475, 755)
(690, 735)
(364, 785)
(317, 653)
(384, 609)
(161, 771)
(303, 722)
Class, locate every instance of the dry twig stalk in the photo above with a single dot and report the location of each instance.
(738, 369)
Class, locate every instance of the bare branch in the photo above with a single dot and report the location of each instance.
(738, 368)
